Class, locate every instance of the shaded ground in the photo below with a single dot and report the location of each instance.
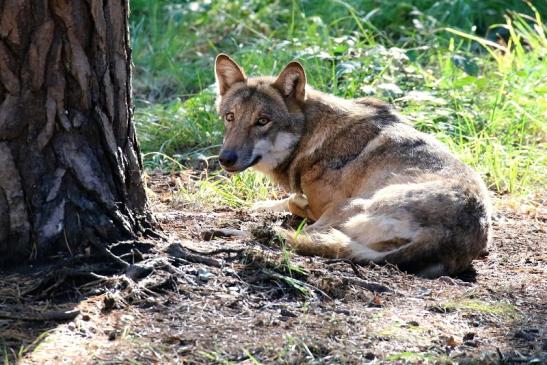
(249, 301)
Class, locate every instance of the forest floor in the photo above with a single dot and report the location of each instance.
(208, 294)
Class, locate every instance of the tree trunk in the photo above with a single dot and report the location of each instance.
(70, 167)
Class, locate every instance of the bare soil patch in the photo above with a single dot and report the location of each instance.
(208, 294)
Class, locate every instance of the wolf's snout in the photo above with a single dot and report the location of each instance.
(227, 158)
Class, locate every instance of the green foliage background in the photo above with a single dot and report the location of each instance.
(472, 72)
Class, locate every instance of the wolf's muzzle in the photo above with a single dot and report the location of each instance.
(227, 158)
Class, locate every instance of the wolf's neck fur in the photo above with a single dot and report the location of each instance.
(327, 119)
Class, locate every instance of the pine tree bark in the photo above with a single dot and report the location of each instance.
(70, 167)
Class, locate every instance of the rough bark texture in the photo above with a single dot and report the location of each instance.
(70, 168)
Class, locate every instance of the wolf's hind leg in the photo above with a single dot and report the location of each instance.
(432, 229)
(322, 237)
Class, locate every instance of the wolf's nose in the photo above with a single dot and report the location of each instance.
(227, 157)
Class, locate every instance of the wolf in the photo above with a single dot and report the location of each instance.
(377, 189)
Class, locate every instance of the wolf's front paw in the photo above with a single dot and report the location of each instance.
(299, 200)
(298, 205)
(271, 206)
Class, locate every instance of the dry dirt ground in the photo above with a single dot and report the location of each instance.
(207, 294)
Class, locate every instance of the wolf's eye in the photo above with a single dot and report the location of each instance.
(229, 117)
(262, 121)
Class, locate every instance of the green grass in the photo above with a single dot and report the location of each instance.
(166, 127)
(13, 355)
(218, 190)
(420, 358)
(439, 62)
(504, 310)
(5, 355)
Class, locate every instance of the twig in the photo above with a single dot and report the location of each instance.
(222, 232)
(356, 270)
(369, 285)
(337, 261)
(80, 273)
(219, 251)
(46, 316)
(353, 265)
(179, 261)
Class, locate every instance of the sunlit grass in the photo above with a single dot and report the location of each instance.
(505, 310)
(215, 190)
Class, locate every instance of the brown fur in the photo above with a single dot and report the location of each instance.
(378, 189)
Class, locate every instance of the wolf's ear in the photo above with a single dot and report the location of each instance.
(292, 81)
(227, 73)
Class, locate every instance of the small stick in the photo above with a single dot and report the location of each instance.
(219, 251)
(369, 285)
(353, 265)
(222, 232)
(356, 269)
(80, 273)
(46, 316)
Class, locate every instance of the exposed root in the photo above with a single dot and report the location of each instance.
(177, 250)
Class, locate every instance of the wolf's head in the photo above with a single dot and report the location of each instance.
(263, 116)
